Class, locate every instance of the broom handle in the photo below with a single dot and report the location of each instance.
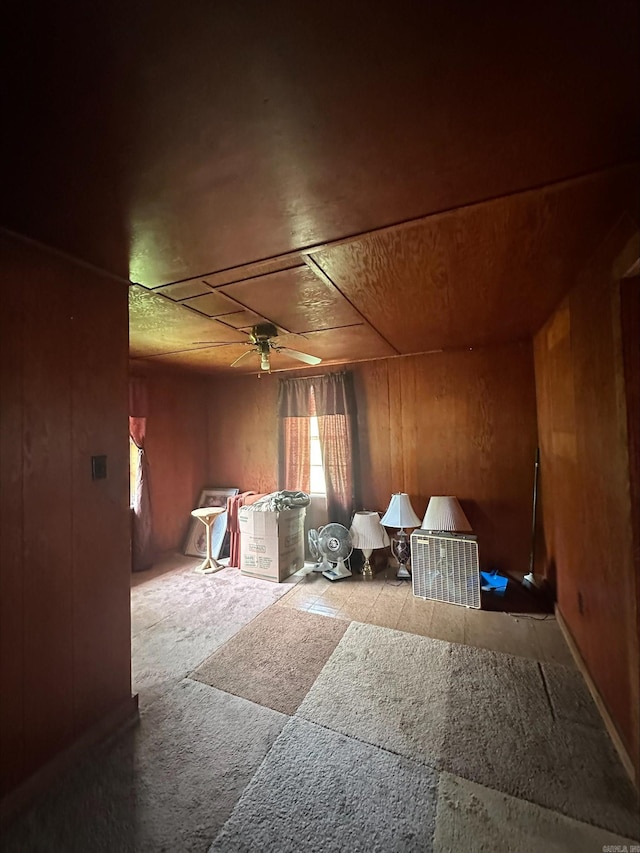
(535, 505)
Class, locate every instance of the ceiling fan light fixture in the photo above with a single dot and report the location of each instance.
(261, 341)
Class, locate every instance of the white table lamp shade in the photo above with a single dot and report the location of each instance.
(400, 513)
(366, 531)
(445, 513)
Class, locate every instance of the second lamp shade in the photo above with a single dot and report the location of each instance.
(400, 513)
(445, 513)
(367, 532)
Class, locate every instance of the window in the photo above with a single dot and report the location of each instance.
(317, 481)
(133, 468)
(317, 415)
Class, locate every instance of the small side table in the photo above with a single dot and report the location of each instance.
(207, 515)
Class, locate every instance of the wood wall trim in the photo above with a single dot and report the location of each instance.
(625, 758)
(64, 256)
(116, 721)
(300, 373)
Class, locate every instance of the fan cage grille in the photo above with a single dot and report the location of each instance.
(334, 542)
(445, 568)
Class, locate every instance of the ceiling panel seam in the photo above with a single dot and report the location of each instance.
(306, 251)
(315, 267)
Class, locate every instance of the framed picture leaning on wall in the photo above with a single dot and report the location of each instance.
(196, 544)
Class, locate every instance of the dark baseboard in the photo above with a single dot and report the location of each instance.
(16, 801)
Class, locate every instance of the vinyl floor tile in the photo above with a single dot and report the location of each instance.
(385, 612)
(322, 610)
(358, 611)
(447, 623)
(415, 624)
(550, 641)
(302, 597)
(500, 632)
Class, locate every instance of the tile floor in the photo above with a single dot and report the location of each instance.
(390, 603)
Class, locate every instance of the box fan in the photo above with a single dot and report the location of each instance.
(444, 567)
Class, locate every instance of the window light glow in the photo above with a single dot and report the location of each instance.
(317, 481)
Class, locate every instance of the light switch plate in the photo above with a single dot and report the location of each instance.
(98, 467)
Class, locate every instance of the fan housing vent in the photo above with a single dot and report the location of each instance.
(444, 567)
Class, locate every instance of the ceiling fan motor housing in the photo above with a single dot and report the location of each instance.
(264, 331)
(261, 340)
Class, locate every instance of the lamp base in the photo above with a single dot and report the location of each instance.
(401, 550)
(367, 571)
(403, 573)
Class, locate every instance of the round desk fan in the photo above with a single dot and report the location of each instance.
(314, 550)
(334, 544)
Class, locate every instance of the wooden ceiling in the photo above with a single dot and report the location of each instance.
(382, 178)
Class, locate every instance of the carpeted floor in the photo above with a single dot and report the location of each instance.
(512, 724)
(180, 618)
(319, 790)
(476, 819)
(275, 659)
(388, 741)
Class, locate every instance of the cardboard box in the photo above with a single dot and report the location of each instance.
(271, 543)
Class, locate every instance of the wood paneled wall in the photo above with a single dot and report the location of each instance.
(585, 485)
(460, 422)
(456, 423)
(243, 449)
(177, 445)
(65, 545)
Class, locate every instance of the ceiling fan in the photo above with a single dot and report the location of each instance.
(261, 340)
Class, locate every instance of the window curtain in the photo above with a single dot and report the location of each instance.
(295, 410)
(296, 461)
(332, 399)
(141, 534)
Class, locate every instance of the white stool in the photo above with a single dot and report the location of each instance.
(207, 515)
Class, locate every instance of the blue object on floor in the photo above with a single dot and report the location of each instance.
(493, 582)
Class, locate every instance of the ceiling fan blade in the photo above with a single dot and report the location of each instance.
(300, 356)
(240, 357)
(224, 343)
